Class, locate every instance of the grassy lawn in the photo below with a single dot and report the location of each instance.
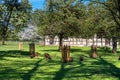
(17, 65)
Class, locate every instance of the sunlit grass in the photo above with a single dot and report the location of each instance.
(17, 65)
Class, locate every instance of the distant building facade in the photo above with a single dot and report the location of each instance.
(79, 41)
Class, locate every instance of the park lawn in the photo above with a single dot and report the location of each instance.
(17, 65)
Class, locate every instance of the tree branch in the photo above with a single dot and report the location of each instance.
(114, 14)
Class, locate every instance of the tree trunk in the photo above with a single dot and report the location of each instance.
(6, 23)
(114, 44)
(101, 41)
(86, 41)
(76, 41)
(106, 42)
(96, 40)
(93, 41)
(93, 53)
(3, 42)
(44, 41)
(4, 33)
(60, 41)
(51, 40)
(82, 41)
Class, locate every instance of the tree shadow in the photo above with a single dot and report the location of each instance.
(75, 50)
(105, 49)
(71, 50)
(100, 67)
(51, 50)
(118, 52)
(62, 72)
(7, 73)
(108, 68)
(13, 53)
(28, 75)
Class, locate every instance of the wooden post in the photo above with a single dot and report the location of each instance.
(32, 49)
(63, 53)
(20, 45)
(66, 54)
(93, 51)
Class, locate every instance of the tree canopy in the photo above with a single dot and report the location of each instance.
(13, 13)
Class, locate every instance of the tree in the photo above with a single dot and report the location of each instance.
(10, 8)
(40, 18)
(113, 6)
(90, 22)
(64, 20)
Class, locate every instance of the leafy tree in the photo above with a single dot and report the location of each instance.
(40, 18)
(10, 13)
(113, 6)
(90, 22)
(64, 19)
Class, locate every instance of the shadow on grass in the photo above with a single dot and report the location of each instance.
(51, 50)
(102, 51)
(99, 68)
(105, 49)
(109, 68)
(13, 53)
(28, 75)
(118, 52)
(71, 50)
(75, 50)
(63, 71)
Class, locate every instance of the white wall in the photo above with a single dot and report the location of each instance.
(77, 42)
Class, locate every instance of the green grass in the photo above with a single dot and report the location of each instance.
(17, 65)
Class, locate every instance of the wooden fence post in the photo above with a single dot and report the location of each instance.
(20, 45)
(93, 51)
(32, 49)
(66, 54)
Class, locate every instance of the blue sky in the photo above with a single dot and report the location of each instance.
(37, 4)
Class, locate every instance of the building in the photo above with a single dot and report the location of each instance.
(79, 41)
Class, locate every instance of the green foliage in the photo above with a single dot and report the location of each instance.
(20, 17)
(65, 17)
(40, 19)
(114, 10)
(14, 13)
